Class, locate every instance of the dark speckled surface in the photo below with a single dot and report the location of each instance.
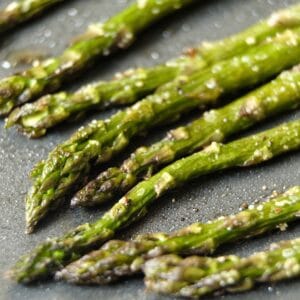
(213, 196)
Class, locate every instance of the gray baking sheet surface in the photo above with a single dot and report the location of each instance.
(204, 198)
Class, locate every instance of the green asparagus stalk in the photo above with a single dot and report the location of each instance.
(125, 258)
(22, 10)
(280, 95)
(195, 276)
(55, 253)
(117, 33)
(70, 162)
(34, 119)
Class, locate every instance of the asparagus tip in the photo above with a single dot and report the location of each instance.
(80, 199)
(30, 223)
(29, 229)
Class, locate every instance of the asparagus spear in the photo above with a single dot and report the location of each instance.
(35, 118)
(124, 258)
(22, 10)
(280, 95)
(69, 163)
(55, 253)
(117, 33)
(195, 277)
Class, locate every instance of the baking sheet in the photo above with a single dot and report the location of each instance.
(212, 196)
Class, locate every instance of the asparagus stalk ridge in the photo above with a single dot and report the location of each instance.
(33, 119)
(69, 163)
(117, 259)
(194, 277)
(55, 253)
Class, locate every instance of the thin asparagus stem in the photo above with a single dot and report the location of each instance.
(69, 163)
(194, 277)
(33, 119)
(100, 39)
(55, 253)
(281, 95)
(22, 10)
(117, 259)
